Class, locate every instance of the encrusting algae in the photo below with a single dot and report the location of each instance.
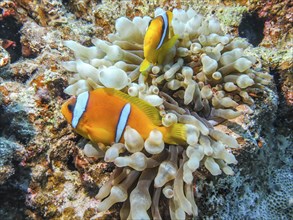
(201, 78)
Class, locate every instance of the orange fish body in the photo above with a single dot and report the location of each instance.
(158, 40)
(102, 115)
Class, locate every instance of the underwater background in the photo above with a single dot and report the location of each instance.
(44, 172)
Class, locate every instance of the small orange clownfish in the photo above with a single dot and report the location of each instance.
(158, 40)
(102, 115)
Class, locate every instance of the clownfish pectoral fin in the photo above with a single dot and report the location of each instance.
(163, 51)
(105, 136)
(144, 66)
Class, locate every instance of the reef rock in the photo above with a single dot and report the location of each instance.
(48, 171)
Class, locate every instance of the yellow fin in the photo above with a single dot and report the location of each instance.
(98, 134)
(151, 111)
(175, 134)
(144, 65)
(166, 47)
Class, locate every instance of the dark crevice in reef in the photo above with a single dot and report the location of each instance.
(7, 74)
(10, 34)
(251, 27)
(277, 79)
(56, 88)
(65, 2)
(15, 132)
(13, 193)
(14, 123)
(91, 189)
(284, 113)
(281, 99)
(70, 163)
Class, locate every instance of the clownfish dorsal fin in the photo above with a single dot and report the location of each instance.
(151, 112)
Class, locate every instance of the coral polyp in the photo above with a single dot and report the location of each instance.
(203, 79)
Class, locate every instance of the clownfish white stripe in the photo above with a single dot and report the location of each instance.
(165, 28)
(79, 108)
(124, 115)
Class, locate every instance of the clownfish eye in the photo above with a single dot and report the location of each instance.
(71, 107)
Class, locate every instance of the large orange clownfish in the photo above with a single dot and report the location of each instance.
(102, 115)
(158, 40)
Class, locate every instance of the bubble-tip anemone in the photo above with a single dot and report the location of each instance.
(205, 76)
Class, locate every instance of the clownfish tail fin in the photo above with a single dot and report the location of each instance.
(164, 50)
(144, 66)
(175, 134)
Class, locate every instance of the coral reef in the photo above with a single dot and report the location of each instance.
(46, 12)
(63, 182)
